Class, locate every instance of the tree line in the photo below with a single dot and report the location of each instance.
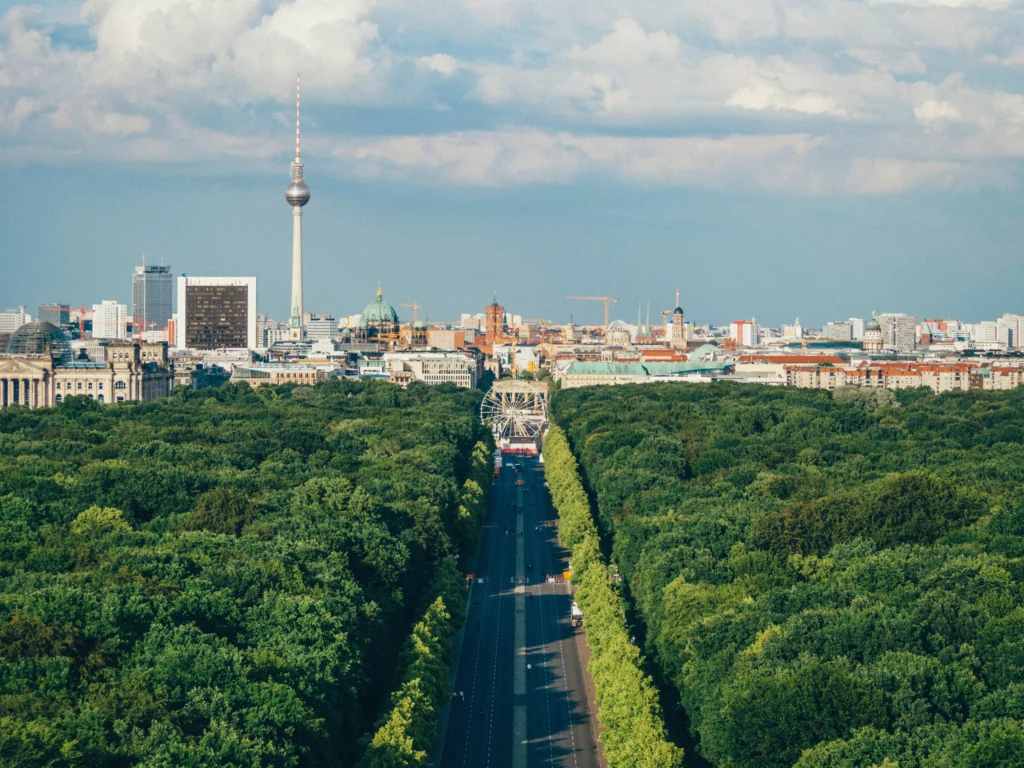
(827, 580)
(230, 577)
(628, 710)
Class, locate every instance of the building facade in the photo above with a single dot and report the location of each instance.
(274, 374)
(55, 314)
(216, 313)
(37, 370)
(495, 319)
(109, 320)
(457, 368)
(12, 319)
(899, 331)
(152, 299)
(841, 331)
(321, 328)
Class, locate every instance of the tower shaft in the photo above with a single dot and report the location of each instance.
(295, 321)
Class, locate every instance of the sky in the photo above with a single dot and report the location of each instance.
(819, 159)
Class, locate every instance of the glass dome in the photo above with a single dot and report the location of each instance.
(41, 338)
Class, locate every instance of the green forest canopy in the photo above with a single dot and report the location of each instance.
(826, 580)
(223, 578)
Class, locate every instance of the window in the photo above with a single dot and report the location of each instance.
(57, 385)
(100, 385)
(79, 385)
(120, 385)
(91, 396)
(100, 398)
(120, 398)
(59, 398)
(90, 385)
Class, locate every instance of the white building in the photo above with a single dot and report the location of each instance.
(857, 327)
(746, 333)
(994, 332)
(1016, 325)
(109, 320)
(841, 331)
(794, 331)
(216, 313)
(432, 368)
(12, 319)
(272, 336)
(321, 328)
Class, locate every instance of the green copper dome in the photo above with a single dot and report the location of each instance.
(378, 312)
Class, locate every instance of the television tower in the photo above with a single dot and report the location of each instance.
(297, 196)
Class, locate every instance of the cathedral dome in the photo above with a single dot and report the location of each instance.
(872, 325)
(41, 338)
(378, 312)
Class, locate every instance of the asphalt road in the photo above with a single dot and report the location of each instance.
(560, 728)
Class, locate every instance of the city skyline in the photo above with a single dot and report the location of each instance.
(745, 160)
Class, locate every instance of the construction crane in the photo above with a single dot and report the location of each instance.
(415, 307)
(606, 299)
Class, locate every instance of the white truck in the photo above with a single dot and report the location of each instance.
(576, 615)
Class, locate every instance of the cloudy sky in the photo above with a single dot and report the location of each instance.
(770, 158)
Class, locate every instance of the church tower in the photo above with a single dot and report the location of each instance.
(677, 339)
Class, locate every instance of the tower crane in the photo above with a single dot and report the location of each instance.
(606, 299)
(415, 307)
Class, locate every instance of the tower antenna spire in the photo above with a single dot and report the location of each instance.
(298, 104)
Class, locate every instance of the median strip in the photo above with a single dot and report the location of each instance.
(632, 729)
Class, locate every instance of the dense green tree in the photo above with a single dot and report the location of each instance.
(827, 579)
(229, 577)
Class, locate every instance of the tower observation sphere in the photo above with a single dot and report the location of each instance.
(297, 193)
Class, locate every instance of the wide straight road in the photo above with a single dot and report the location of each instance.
(559, 727)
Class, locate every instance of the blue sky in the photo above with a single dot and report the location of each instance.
(770, 158)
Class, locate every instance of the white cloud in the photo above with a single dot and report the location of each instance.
(887, 175)
(441, 63)
(909, 63)
(12, 119)
(1015, 59)
(525, 156)
(993, 5)
(891, 84)
(933, 112)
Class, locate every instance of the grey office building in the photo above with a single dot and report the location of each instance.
(152, 294)
(56, 314)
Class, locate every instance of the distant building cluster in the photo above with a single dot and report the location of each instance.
(211, 331)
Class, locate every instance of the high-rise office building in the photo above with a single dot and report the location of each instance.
(56, 314)
(109, 320)
(216, 313)
(899, 331)
(152, 299)
(12, 319)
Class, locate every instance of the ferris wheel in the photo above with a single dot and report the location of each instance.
(515, 409)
